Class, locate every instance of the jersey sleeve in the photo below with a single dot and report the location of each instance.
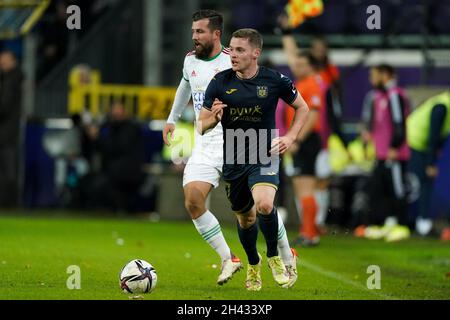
(182, 96)
(185, 72)
(288, 91)
(211, 93)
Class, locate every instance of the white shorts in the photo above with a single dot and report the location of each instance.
(205, 165)
(202, 172)
(323, 168)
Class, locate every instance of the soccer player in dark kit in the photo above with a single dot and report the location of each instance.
(244, 99)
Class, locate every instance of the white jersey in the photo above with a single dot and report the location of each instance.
(199, 73)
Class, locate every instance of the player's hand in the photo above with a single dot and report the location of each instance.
(392, 154)
(432, 171)
(281, 144)
(168, 128)
(217, 109)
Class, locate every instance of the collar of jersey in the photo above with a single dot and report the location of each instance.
(256, 74)
(212, 58)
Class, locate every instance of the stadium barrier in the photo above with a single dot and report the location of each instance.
(17, 17)
(87, 93)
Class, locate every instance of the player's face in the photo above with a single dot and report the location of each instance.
(203, 38)
(375, 78)
(7, 62)
(242, 54)
(319, 49)
(118, 112)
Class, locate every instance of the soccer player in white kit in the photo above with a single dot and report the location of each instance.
(204, 168)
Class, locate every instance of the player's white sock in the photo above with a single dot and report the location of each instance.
(284, 250)
(209, 228)
(322, 199)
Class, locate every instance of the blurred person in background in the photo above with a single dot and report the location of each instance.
(328, 72)
(72, 163)
(11, 78)
(330, 112)
(428, 127)
(306, 150)
(384, 121)
(121, 150)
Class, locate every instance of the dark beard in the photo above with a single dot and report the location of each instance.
(203, 52)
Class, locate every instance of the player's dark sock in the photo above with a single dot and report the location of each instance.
(248, 239)
(268, 223)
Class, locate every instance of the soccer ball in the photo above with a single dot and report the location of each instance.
(138, 276)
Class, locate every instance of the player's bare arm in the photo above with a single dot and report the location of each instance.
(208, 119)
(290, 47)
(301, 118)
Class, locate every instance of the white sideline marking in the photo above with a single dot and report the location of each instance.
(340, 278)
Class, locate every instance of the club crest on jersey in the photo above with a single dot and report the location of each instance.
(262, 91)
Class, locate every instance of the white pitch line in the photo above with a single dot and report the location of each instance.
(340, 278)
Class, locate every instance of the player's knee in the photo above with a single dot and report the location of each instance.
(264, 207)
(195, 208)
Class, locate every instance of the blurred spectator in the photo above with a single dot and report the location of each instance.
(330, 122)
(306, 151)
(121, 148)
(11, 78)
(71, 165)
(384, 117)
(327, 71)
(428, 127)
(330, 111)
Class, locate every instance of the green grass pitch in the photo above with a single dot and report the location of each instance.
(36, 252)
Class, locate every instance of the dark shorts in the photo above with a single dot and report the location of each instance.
(305, 158)
(239, 190)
